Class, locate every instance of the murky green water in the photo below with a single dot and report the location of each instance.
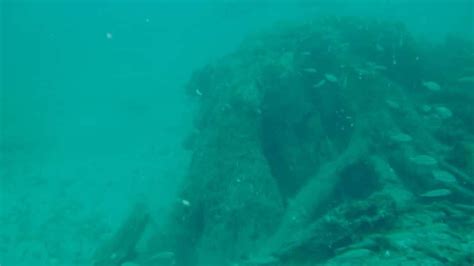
(94, 112)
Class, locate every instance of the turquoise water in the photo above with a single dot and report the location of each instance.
(94, 111)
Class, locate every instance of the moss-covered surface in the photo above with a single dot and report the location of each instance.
(315, 144)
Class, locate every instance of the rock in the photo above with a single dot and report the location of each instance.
(444, 176)
(436, 193)
(431, 85)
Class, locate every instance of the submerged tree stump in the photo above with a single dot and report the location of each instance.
(313, 137)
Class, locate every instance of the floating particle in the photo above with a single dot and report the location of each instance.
(431, 85)
(198, 92)
(444, 176)
(320, 83)
(436, 193)
(109, 35)
(330, 77)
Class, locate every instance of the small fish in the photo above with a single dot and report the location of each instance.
(426, 108)
(424, 160)
(436, 193)
(330, 77)
(401, 137)
(469, 79)
(444, 176)
(393, 104)
(443, 112)
(310, 70)
(320, 83)
(379, 47)
(431, 85)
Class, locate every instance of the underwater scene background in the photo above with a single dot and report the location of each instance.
(226, 132)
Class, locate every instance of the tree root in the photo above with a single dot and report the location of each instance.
(121, 247)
